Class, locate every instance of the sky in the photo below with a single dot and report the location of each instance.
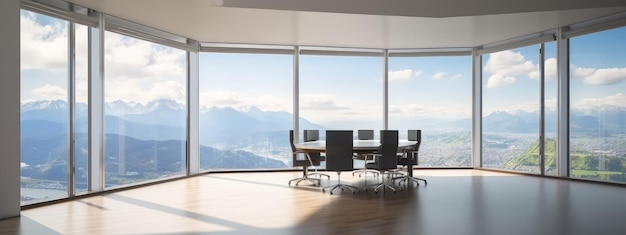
(334, 90)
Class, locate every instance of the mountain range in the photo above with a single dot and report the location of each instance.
(158, 120)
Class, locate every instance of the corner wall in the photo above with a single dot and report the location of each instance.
(10, 106)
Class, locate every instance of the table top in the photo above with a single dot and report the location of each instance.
(357, 145)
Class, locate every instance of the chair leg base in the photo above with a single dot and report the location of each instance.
(385, 186)
(319, 175)
(340, 186)
(365, 171)
(407, 178)
(305, 178)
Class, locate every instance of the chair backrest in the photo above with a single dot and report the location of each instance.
(291, 137)
(311, 135)
(365, 134)
(298, 159)
(415, 135)
(388, 150)
(339, 150)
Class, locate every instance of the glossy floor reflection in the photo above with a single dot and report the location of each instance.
(453, 202)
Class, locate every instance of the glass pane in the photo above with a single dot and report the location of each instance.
(145, 110)
(44, 107)
(551, 119)
(511, 110)
(434, 94)
(81, 121)
(246, 103)
(341, 92)
(598, 106)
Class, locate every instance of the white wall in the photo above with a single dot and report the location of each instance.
(10, 108)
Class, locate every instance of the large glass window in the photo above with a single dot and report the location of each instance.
(341, 92)
(511, 115)
(434, 94)
(246, 103)
(81, 118)
(598, 106)
(550, 105)
(44, 107)
(145, 110)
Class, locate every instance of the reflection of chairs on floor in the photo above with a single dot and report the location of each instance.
(410, 158)
(386, 158)
(364, 135)
(300, 158)
(339, 157)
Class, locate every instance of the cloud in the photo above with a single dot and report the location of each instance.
(403, 75)
(592, 76)
(49, 92)
(456, 76)
(320, 102)
(220, 99)
(424, 111)
(550, 68)
(135, 70)
(617, 100)
(42, 47)
(505, 66)
(498, 80)
(438, 75)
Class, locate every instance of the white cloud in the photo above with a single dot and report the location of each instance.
(424, 111)
(320, 102)
(50, 92)
(456, 76)
(505, 66)
(617, 100)
(220, 99)
(438, 75)
(592, 76)
(42, 46)
(135, 70)
(550, 69)
(403, 75)
(498, 80)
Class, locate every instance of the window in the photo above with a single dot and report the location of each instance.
(511, 98)
(434, 94)
(341, 92)
(145, 110)
(246, 103)
(598, 106)
(44, 107)
(550, 107)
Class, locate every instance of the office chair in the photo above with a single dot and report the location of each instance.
(410, 158)
(364, 135)
(339, 157)
(386, 158)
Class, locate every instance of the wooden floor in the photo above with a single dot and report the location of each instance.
(454, 202)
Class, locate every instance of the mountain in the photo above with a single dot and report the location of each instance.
(158, 112)
(159, 120)
(146, 159)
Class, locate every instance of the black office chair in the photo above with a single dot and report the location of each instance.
(364, 135)
(339, 157)
(386, 157)
(410, 159)
(314, 158)
(301, 158)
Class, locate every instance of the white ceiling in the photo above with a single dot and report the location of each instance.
(356, 23)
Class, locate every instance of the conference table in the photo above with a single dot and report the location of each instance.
(358, 146)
